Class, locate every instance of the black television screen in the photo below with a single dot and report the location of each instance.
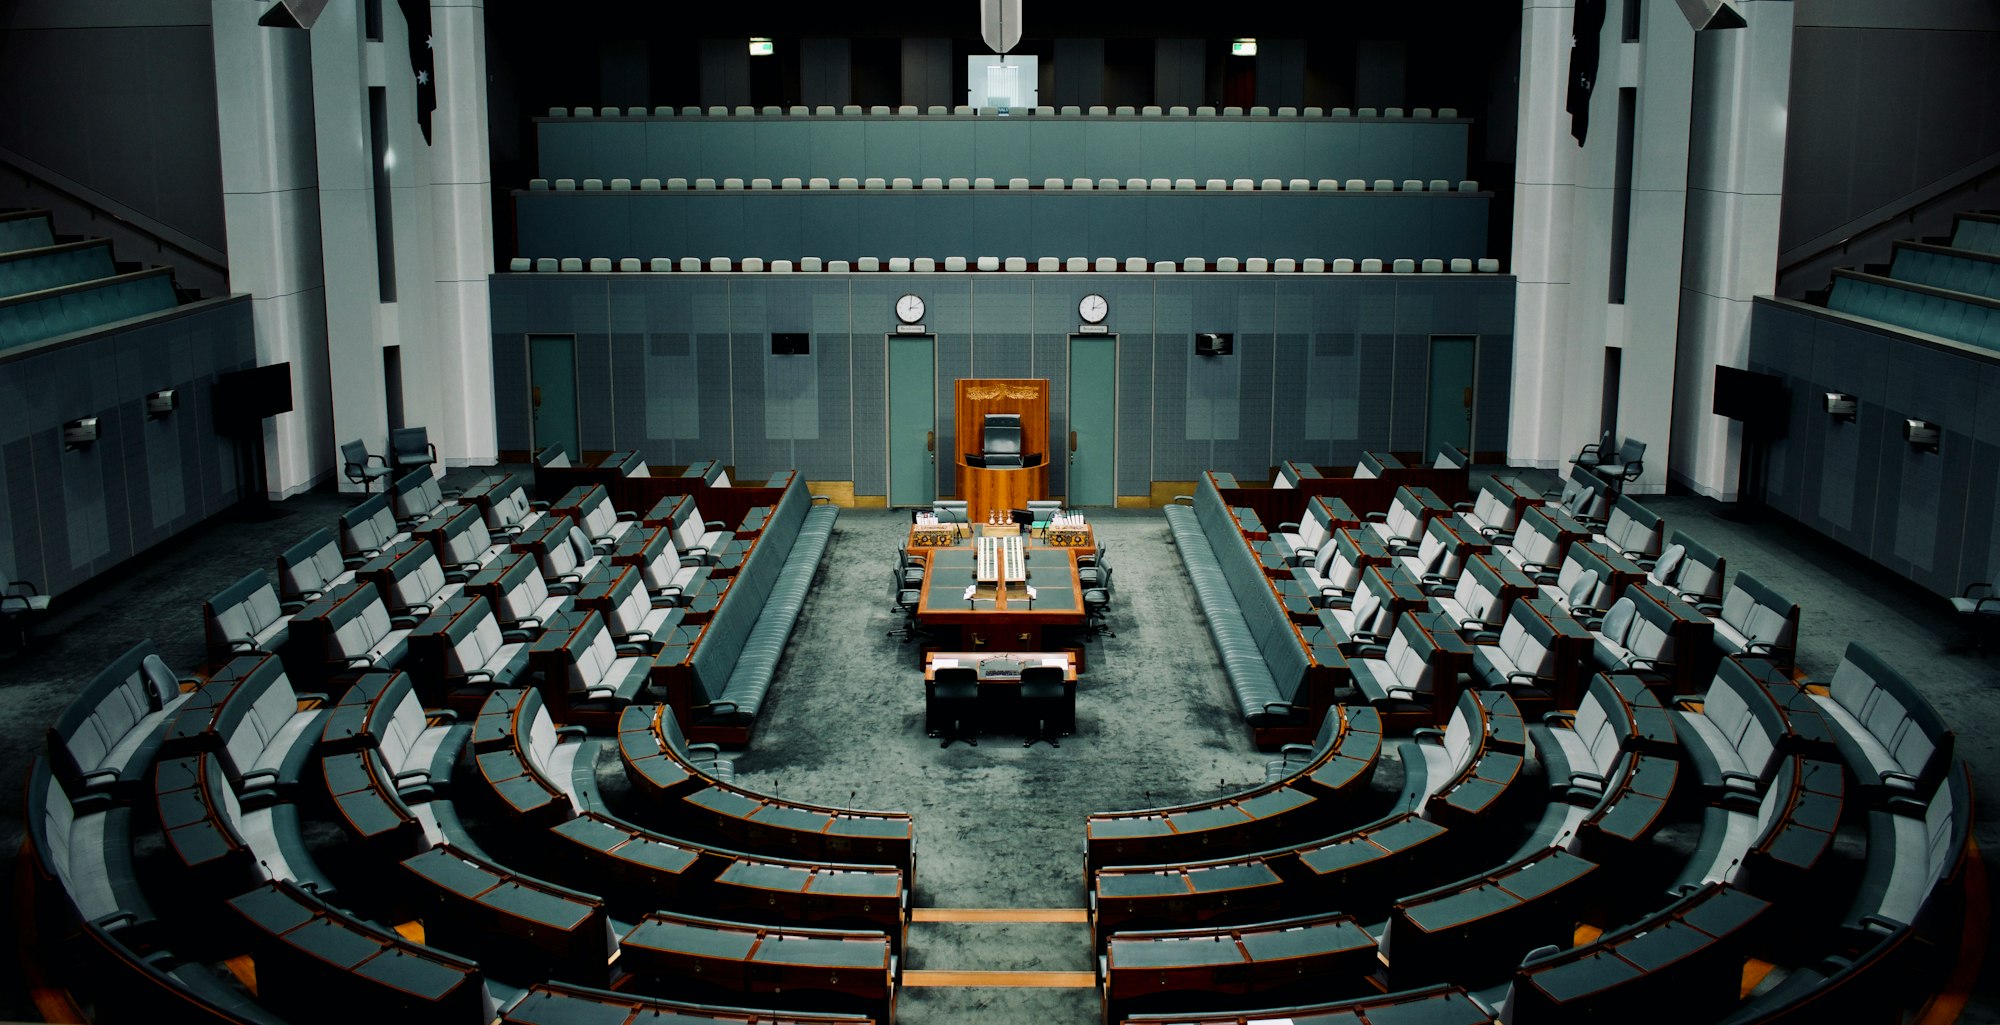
(1747, 396)
(791, 343)
(247, 396)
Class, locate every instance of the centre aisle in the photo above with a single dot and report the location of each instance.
(998, 825)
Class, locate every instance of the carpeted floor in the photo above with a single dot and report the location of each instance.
(1000, 826)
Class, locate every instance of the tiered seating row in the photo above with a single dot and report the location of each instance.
(992, 264)
(934, 184)
(906, 110)
(1159, 225)
(1952, 291)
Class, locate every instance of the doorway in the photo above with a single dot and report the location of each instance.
(1093, 420)
(552, 393)
(1448, 412)
(912, 363)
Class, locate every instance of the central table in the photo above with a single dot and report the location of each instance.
(1000, 617)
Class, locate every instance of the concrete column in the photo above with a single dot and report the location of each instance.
(462, 224)
(344, 65)
(271, 211)
(1736, 171)
(1544, 197)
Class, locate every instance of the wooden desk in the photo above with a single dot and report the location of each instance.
(1007, 620)
(999, 692)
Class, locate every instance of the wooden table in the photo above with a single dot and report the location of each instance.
(999, 692)
(1005, 618)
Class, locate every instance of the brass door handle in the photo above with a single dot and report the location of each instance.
(930, 441)
(1072, 441)
(538, 396)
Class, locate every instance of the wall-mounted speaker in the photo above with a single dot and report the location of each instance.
(1922, 435)
(1212, 344)
(80, 432)
(161, 403)
(1841, 406)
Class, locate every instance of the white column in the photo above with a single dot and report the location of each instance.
(462, 219)
(1736, 177)
(1544, 187)
(342, 73)
(1660, 67)
(264, 106)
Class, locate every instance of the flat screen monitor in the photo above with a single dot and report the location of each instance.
(247, 396)
(791, 343)
(1748, 396)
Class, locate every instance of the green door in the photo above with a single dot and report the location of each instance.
(912, 420)
(1093, 420)
(1448, 417)
(552, 390)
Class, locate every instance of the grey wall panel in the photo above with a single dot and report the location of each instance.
(126, 111)
(1360, 340)
(1864, 129)
(73, 514)
(826, 73)
(949, 316)
(1003, 148)
(1079, 72)
(783, 142)
(928, 74)
(593, 378)
(1059, 225)
(1000, 148)
(725, 72)
(1925, 516)
(893, 147)
(1057, 149)
(838, 151)
(1180, 72)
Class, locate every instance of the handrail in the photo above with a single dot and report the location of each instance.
(168, 237)
(1900, 208)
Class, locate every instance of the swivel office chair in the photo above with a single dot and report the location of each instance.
(904, 598)
(951, 704)
(1091, 569)
(909, 568)
(1097, 607)
(1048, 701)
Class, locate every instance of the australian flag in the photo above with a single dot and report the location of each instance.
(417, 15)
(1583, 49)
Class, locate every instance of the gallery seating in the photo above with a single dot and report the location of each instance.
(102, 745)
(1755, 620)
(1179, 969)
(369, 529)
(722, 687)
(547, 1002)
(377, 972)
(1262, 653)
(521, 599)
(415, 498)
(463, 544)
(821, 969)
(1305, 785)
(1893, 741)
(1610, 767)
(245, 617)
(312, 567)
(1688, 956)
